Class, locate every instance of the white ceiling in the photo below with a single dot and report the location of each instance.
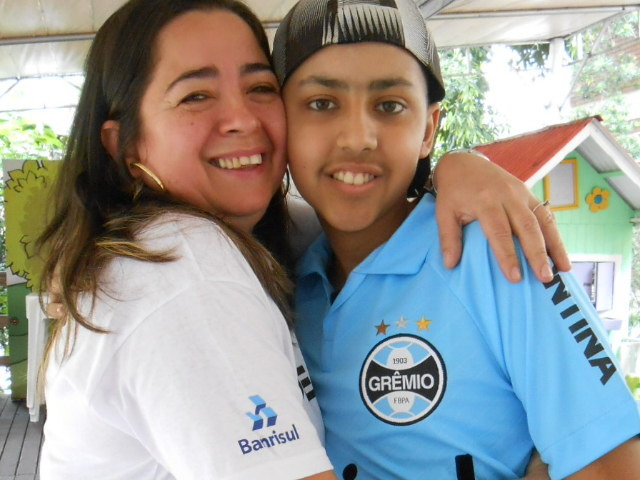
(51, 37)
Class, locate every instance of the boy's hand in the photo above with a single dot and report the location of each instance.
(470, 188)
(55, 307)
(56, 310)
(537, 469)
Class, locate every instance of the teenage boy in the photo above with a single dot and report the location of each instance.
(420, 371)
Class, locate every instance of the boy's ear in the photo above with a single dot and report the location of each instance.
(433, 122)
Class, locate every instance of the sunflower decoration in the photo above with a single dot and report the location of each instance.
(26, 194)
(598, 199)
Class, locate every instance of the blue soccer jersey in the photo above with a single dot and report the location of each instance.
(416, 366)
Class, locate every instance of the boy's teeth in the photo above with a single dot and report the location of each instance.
(348, 178)
(353, 179)
(239, 162)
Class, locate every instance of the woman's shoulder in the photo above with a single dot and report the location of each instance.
(198, 248)
(172, 224)
(199, 255)
(180, 232)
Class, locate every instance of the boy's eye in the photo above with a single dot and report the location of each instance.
(322, 104)
(390, 107)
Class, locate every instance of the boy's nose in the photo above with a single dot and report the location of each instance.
(357, 133)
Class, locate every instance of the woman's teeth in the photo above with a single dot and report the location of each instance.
(353, 179)
(233, 163)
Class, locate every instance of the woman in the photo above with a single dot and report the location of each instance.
(175, 360)
(140, 255)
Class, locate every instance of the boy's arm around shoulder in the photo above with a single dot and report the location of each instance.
(621, 463)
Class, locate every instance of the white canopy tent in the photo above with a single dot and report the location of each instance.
(51, 37)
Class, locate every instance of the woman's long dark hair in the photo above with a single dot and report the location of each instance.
(95, 216)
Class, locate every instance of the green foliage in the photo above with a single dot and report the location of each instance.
(23, 140)
(531, 56)
(634, 385)
(605, 72)
(603, 37)
(615, 116)
(466, 119)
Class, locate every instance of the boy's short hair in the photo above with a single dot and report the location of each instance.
(314, 24)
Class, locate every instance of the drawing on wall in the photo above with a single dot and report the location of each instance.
(27, 184)
(26, 203)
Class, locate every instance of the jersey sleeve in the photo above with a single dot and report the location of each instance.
(208, 382)
(556, 354)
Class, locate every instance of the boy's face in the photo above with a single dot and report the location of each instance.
(358, 122)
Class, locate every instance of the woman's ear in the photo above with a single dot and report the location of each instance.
(433, 122)
(110, 136)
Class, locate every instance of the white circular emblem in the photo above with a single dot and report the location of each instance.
(403, 379)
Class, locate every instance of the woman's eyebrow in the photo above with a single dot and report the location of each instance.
(256, 67)
(212, 73)
(205, 72)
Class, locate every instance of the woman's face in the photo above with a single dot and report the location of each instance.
(212, 121)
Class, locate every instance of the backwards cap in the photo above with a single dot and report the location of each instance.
(314, 24)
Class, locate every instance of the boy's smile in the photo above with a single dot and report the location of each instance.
(358, 121)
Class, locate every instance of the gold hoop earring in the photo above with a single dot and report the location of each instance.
(151, 175)
(137, 190)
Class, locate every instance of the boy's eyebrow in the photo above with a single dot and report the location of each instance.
(386, 83)
(324, 82)
(212, 72)
(381, 84)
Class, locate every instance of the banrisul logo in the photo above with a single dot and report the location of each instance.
(263, 418)
(403, 379)
(261, 413)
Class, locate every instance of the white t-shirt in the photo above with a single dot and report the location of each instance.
(198, 378)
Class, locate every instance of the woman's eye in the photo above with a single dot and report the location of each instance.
(194, 97)
(390, 107)
(266, 88)
(322, 104)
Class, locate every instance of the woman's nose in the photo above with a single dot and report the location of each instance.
(237, 116)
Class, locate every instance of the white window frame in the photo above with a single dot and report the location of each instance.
(617, 264)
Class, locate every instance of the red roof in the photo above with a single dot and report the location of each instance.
(525, 154)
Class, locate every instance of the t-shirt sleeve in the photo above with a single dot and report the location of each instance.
(556, 354)
(208, 381)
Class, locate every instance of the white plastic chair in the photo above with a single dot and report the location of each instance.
(38, 334)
